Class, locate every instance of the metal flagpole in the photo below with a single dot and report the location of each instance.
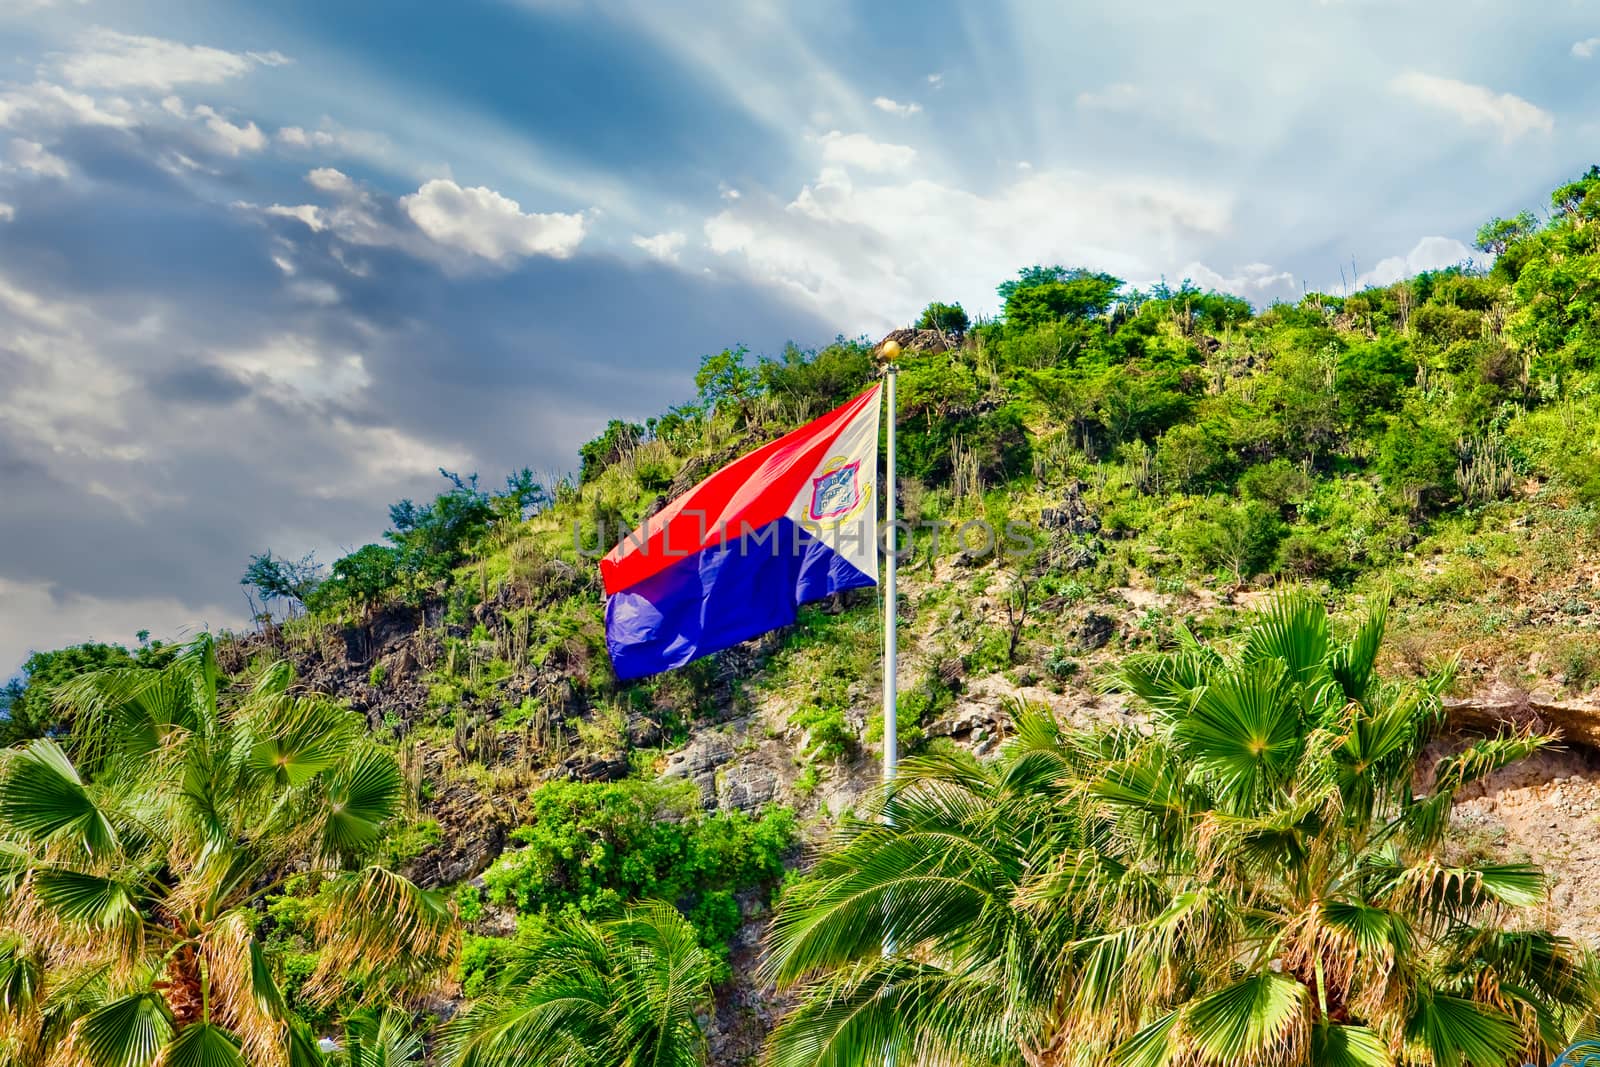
(891, 740)
(891, 352)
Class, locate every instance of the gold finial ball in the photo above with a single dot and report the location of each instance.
(890, 351)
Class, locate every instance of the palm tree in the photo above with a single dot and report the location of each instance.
(378, 1038)
(976, 970)
(134, 862)
(621, 993)
(1261, 880)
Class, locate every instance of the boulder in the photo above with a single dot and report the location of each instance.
(1094, 631)
(604, 767)
(918, 341)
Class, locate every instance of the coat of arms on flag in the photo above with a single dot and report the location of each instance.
(837, 491)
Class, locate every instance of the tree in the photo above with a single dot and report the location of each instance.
(1497, 235)
(946, 318)
(1417, 460)
(363, 577)
(618, 440)
(594, 994)
(276, 578)
(1241, 537)
(976, 965)
(523, 494)
(378, 1038)
(726, 380)
(29, 701)
(1046, 294)
(136, 858)
(1578, 200)
(1260, 880)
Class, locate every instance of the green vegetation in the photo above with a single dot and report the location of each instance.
(28, 702)
(589, 849)
(1253, 882)
(136, 858)
(201, 861)
(584, 994)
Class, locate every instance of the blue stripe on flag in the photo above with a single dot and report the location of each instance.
(721, 596)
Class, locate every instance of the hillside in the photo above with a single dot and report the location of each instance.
(1173, 455)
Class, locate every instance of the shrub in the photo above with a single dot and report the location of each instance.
(828, 736)
(591, 848)
(618, 438)
(1310, 554)
(1242, 538)
(1280, 484)
(1417, 461)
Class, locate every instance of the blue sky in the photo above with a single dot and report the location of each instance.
(265, 267)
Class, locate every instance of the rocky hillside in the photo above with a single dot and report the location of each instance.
(746, 736)
(1167, 457)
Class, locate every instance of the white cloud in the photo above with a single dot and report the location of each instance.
(1586, 49)
(484, 223)
(871, 253)
(24, 7)
(299, 138)
(1258, 283)
(322, 294)
(7, 212)
(230, 139)
(298, 370)
(60, 388)
(1508, 115)
(309, 214)
(40, 615)
(663, 246)
(223, 136)
(85, 407)
(330, 180)
(36, 159)
(860, 151)
(356, 218)
(56, 105)
(1430, 253)
(107, 59)
(894, 107)
(936, 80)
(331, 136)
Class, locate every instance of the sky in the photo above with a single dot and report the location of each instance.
(264, 268)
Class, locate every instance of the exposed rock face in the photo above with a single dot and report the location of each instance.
(745, 1010)
(918, 341)
(747, 787)
(1094, 631)
(734, 771)
(1073, 516)
(1578, 720)
(698, 761)
(974, 724)
(604, 767)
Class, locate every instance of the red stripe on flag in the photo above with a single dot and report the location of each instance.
(751, 491)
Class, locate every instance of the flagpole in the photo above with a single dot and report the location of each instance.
(891, 741)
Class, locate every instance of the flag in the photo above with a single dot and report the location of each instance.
(736, 555)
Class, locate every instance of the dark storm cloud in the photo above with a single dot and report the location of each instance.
(232, 413)
(199, 384)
